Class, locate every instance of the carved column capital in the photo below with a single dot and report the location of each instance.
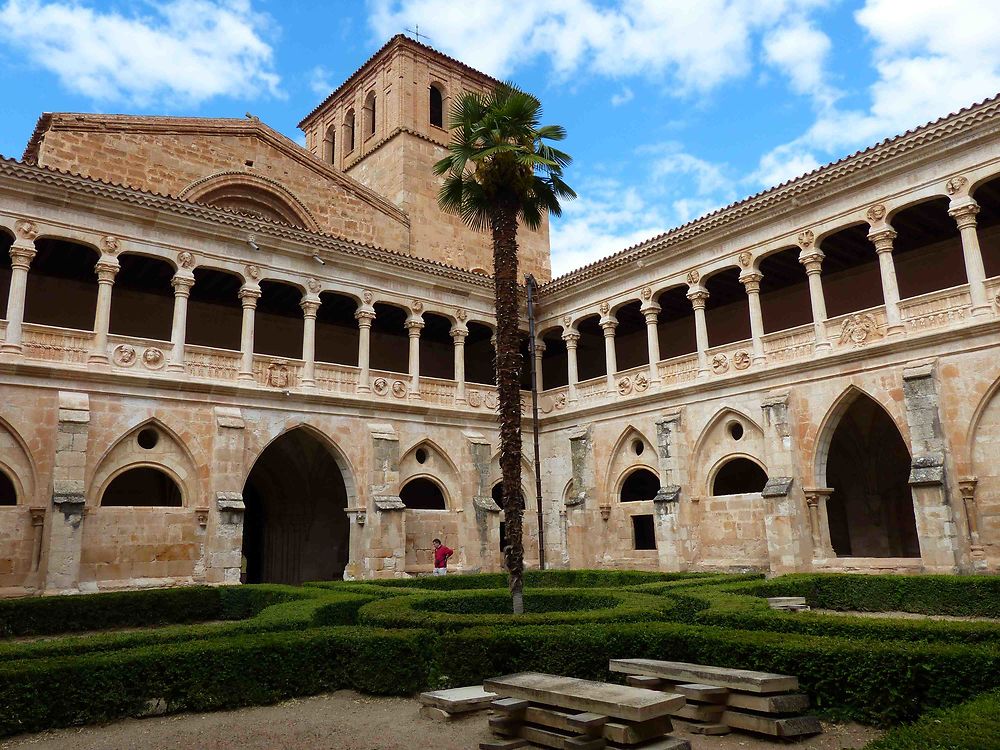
(882, 239)
(249, 295)
(572, 338)
(651, 312)
(964, 213)
(182, 282)
(310, 305)
(698, 297)
(812, 260)
(22, 252)
(608, 325)
(106, 269)
(751, 281)
(967, 487)
(413, 325)
(458, 333)
(365, 317)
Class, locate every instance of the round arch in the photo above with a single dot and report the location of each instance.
(143, 485)
(422, 492)
(16, 463)
(737, 475)
(637, 484)
(251, 195)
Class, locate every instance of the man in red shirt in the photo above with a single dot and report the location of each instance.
(441, 555)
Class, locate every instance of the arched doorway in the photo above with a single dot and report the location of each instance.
(295, 528)
(868, 467)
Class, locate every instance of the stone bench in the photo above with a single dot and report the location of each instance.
(572, 714)
(444, 705)
(719, 699)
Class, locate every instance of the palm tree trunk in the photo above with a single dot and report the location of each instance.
(508, 360)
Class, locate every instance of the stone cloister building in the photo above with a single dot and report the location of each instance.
(226, 357)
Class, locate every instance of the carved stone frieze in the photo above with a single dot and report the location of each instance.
(806, 238)
(875, 213)
(26, 230)
(185, 259)
(955, 184)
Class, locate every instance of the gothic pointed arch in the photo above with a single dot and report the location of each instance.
(16, 465)
(151, 446)
(427, 458)
(984, 439)
(632, 449)
(730, 432)
(251, 195)
(866, 463)
(737, 474)
(296, 493)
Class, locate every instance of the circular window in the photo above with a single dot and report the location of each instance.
(421, 455)
(148, 438)
(735, 430)
(638, 447)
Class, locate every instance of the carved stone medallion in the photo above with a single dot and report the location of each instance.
(745, 258)
(955, 184)
(876, 213)
(625, 386)
(277, 374)
(399, 389)
(475, 399)
(124, 355)
(806, 238)
(153, 358)
(380, 387)
(185, 259)
(720, 364)
(693, 277)
(741, 360)
(641, 382)
(859, 329)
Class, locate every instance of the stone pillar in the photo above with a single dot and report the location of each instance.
(365, 316)
(936, 529)
(651, 312)
(819, 522)
(977, 553)
(249, 294)
(224, 532)
(882, 239)
(388, 534)
(182, 282)
(671, 537)
(786, 522)
(699, 297)
(608, 325)
(65, 532)
(310, 306)
(751, 282)
(458, 335)
(964, 212)
(21, 254)
(414, 323)
(812, 259)
(539, 351)
(106, 268)
(572, 337)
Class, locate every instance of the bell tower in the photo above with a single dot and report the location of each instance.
(386, 126)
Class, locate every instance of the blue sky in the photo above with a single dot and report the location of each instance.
(673, 107)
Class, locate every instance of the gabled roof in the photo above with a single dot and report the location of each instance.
(249, 127)
(790, 191)
(400, 40)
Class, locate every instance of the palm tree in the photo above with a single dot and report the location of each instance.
(500, 171)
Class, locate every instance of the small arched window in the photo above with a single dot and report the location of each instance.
(641, 484)
(142, 487)
(739, 476)
(422, 494)
(349, 131)
(8, 493)
(370, 114)
(437, 106)
(329, 141)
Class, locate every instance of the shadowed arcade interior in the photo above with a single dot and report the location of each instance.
(295, 528)
(868, 467)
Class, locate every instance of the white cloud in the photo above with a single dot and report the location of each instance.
(184, 51)
(623, 97)
(799, 50)
(931, 58)
(320, 81)
(696, 46)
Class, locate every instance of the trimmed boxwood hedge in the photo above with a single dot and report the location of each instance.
(974, 725)
(532, 579)
(454, 610)
(204, 675)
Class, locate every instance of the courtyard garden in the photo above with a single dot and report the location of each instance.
(919, 655)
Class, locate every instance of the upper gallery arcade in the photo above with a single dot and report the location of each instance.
(227, 357)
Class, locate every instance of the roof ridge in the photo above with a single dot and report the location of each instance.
(802, 181)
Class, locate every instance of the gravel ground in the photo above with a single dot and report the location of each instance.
(346, 720)
(906, 616)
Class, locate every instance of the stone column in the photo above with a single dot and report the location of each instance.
(882, 239)
(414, 324)
(65, 532)
(751, 282)
(182, 282)
(699, 296)
(365, 316)
(310, 306)
(812, 259)
(21, 254)
(249, 294)
(106, 268)
(539, 351)
(458, 334)
(967, 488)
(819, 521)
(608, 325)
(964, 213)
(651, 312)
(572, 337)
(224, 530)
